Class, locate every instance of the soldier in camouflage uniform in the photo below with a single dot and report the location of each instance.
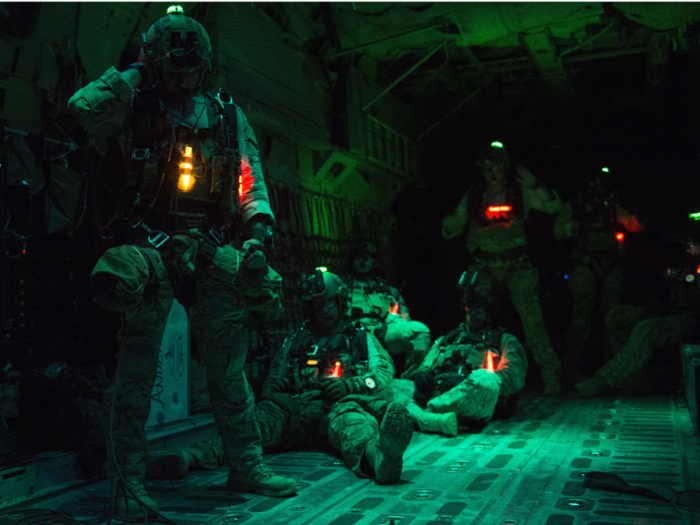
(597, 223)
(467, 372)
(382, 310)
(634, 332)
(192, 176)
(495, 215)
(332, 380)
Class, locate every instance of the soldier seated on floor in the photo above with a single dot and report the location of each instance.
(469, 374)
(329, 384)
(635, 332)
(381, 308)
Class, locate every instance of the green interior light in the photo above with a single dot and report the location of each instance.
(695, 216)
(497, 144)
(606, 170)
(322, 268)
(175, 9)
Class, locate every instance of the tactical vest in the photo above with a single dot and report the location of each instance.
(450, 362)
(157, 152)
(598, 226)
(344, 355)
(480, 214)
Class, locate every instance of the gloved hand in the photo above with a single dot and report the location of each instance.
(273, 386)
(425, 383)
(253, 254)
(335, 389)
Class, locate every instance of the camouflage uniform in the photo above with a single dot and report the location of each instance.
(596, 273)
(292, 412)
(460, 359)
(382, 310)
(635, 332)
(497, 244)
(634, 335)
(136, 278)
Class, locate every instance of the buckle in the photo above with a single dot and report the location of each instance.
(292, 363)
(159, 239)
(315, 350)
(140, 154)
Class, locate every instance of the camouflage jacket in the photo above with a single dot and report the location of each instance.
(502, 233)
(460, 352)
(102, 107)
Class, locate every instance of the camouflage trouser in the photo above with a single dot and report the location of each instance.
(647, 335)
(216, 320)
(410, 338)
(597, 279)
(520, 281)
(350, 425)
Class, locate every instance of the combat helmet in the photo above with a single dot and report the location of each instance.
(177, 43)
(323, 286)
(493, 156)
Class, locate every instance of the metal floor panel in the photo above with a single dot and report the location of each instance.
(526, 470)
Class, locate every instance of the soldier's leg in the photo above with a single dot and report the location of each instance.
(355, 432)
(523, 284)
(474, 398)
(217, 324)
(646, 336)
(410, 338)
(128, 400)
(619, 323)
(175, 463)
(582, 288)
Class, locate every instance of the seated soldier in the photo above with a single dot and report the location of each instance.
(382, 310)
(634, 332)
(330, 383)
(467, 372)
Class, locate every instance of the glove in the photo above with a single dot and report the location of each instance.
(254, 255)
(273, 386)
(425, 383)
(335, 389)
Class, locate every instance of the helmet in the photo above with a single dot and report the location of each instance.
(361, 244)
(475, 296)
(493, 156)
(177, 43)
(323, 286)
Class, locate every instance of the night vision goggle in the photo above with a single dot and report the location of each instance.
(187, 53)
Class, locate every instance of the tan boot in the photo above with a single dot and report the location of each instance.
(440, 423)
(261, 480)
(385, 453)
(125, 505)
(168, 464)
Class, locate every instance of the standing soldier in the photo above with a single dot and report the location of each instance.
(495, 214)
(192, 180)
(598, 225)
(381, 308)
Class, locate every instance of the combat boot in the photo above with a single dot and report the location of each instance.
(124, 504)
(441, 423)
(169, 464)
(590, 387)
(261, 480)
(385, 453)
